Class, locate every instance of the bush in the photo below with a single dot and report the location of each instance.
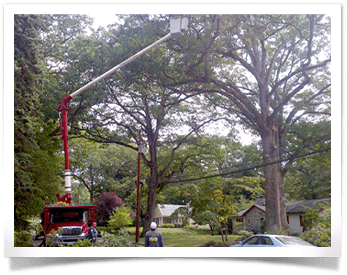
(121, 217)
(83, 243)
(244, 234)
(106, 204)
(190, 227)
(22, 239)
(319, 236)
(168, 225)
(262, 228)
(238, 226)
(319, 233)
(121, 239)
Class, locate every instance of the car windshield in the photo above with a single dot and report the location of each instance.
(292, 241)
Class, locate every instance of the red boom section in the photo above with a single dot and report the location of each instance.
(63, 108)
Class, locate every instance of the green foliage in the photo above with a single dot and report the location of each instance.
(244, 234)
(189, 226)
(320, 235)
(262, 228)
(317, 213)
(106, 204)
(317, 224)
(107, 168)
(309, 177)
(35, 225)
(120, 218)
(51, 239)
(36, 173)
(168, 225)
(83, 243)
(22, 239)
(120, 239)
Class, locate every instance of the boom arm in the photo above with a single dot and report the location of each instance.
(177, 25)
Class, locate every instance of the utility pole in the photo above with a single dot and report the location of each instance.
(140, 150)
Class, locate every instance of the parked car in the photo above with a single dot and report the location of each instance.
(272, 241)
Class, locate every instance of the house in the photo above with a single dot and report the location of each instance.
(296, 210)
(251, 218)
(163, 212)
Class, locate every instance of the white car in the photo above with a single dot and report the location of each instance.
(272, 241)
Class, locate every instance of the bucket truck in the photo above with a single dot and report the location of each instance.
(70, 221)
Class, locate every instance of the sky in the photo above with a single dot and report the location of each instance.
(101, 19)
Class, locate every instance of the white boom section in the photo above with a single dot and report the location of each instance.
(125, 62)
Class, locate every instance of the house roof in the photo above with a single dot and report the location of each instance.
(167, 209)
(291, 207)
(244, 212)
(300, 206)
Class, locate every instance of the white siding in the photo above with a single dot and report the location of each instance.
(294, 224)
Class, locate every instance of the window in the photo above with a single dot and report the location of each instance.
(252, 241)
(248, 221)
(259, 241)
(265, 241)
(239, 220)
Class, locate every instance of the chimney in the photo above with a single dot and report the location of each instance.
(261, 200)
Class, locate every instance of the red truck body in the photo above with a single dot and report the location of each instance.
(66, 224)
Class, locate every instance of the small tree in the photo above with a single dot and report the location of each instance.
(121, 217)
(106, 203)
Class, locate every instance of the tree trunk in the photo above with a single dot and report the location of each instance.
(276, 219)
(153, 183)
(151, 204)
(212, 230)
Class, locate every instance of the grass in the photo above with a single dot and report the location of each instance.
(180, 237)
(173, 237)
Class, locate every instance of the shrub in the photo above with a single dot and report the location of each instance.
(319, 236)
(168, 225)
(319, 233)
(22, 239)
(106, 204)
(238, 226)
(121, 217)
(190, 227)
(51, 240)
(262, 228)
(244, 234)
(121, 239)
(83, 243)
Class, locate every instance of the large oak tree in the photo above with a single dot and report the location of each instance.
(270, 72)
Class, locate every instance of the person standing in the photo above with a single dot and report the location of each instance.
(93, 233)
(153, 237)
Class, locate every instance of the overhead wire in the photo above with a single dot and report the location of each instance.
(251, 168)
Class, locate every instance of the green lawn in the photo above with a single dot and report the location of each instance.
(178, 237)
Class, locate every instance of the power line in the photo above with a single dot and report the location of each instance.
(253, 167)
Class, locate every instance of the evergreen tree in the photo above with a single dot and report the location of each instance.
(35, 161)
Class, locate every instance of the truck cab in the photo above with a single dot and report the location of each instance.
(66, 224)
